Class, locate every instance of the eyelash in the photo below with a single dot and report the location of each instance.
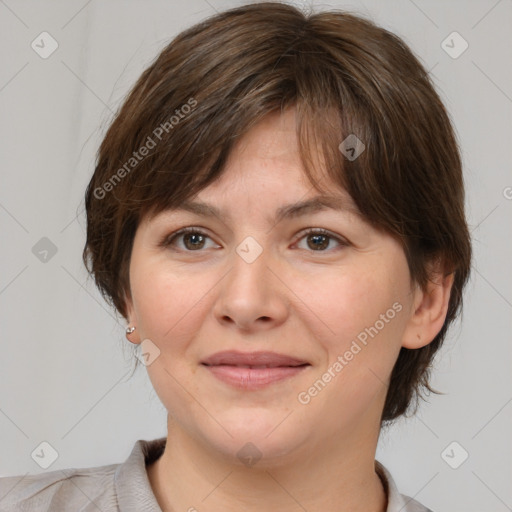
(169, 240)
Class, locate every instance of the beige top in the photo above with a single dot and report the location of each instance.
(121, 487)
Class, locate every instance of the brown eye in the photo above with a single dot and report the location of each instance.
(193, 239)
(319, 240)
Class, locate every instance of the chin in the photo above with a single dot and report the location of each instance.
(259, 436)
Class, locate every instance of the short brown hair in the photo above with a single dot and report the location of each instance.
(344, 75)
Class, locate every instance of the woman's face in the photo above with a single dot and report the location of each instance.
(337, 303)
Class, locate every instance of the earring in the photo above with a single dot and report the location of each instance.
(129, 330)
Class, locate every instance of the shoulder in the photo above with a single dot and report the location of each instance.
(66, 489)
(411, 505)
(108, 488)
(397, 502)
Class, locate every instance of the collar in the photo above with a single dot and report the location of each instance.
(397, 502)
(134, 492)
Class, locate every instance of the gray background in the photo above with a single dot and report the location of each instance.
(65, 363)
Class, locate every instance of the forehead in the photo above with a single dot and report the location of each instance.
(340, 202)
(264, 168)
(267, 160)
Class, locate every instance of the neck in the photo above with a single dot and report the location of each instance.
(189, 476)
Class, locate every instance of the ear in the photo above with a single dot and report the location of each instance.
(430, 306)
(131, 319)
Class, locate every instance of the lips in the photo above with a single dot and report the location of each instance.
(253, 370)
(252, 360)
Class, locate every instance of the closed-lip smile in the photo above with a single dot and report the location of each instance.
(253, 370)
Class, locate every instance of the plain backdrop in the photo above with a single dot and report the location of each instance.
(65, 363)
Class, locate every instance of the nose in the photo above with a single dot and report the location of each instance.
(252, 297)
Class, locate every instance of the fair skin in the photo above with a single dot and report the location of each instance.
(198, 296)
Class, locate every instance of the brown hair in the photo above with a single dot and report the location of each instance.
(344, 75)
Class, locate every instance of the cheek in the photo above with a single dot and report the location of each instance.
(342, 304)
(169, 309)
(371, 318)
(361, 315)
(167, 301)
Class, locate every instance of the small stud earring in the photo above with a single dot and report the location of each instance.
(129, 330)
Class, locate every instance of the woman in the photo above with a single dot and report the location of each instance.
(277, 211)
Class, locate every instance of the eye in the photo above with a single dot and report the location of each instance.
(319, 239)
(193, 239)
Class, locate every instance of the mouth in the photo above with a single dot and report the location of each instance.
(253, 370)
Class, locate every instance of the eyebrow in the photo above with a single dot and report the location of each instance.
(314, 205)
